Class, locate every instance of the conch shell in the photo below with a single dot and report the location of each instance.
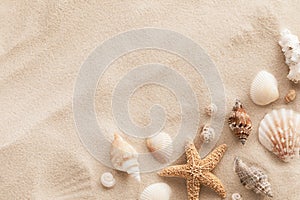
(124, 157)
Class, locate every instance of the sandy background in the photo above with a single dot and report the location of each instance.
(42, 47)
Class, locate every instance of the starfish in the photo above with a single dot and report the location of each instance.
(197, 171)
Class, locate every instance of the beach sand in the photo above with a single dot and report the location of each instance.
(43, 45)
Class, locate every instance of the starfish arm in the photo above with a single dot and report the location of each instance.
(211, 161)
(193, 188)
(191, 152)
(211, 181)
(174, 171)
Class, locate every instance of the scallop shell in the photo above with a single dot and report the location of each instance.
(124, 157)
(236, 196)
(240, 122)
(264, 89)
(161, 147)
(107, 180)
(252, 178)
(207, 134)
(157, 191)
(211, 109)
(279, 132)
(291, 49)
(290, 96)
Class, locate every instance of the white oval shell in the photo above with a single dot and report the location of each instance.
(157, 191)
(207, 134)
(161, 147)
(264, 89)
(124, 157)
(107, 180)
(236, 196)
(279, 132)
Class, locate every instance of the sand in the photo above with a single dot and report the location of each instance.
(43, 45)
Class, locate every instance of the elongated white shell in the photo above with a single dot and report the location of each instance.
(157, 191)
(279, 132)
(107, 180)
(124, 157)
(161, 147)
(264, 89)
(291, 48)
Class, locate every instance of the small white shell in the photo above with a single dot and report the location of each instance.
(157, 191)
(124, 157)
(161, 147)
(208, 134)
(279, 133)
(264, 89)
(211, 109)
(107, 180)
(236, 196)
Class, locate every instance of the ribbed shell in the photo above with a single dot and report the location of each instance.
(157, 191)
(124, 157)
(279, 132)
(252, 178)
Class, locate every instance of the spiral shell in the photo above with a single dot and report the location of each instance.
(264, 89)
(240, 122)
(107, 180)
(207, 134)
(252, 178)
(211, 109)
(236, 196)
(290, 96)
(279, 133)
(157, 191)
(161, 147)
(124, 157)
(291, 49)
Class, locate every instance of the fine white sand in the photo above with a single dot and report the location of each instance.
(43, 45)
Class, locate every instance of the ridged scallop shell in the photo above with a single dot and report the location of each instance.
(240, 122)
(211, 109)
(161, 147)
(252, 178)
(279, 132)
(124, 157)
(236, 196)
(264, 89)
(207, 134)
(107, 180)
(156, 191)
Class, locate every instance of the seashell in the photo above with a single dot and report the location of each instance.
(279, 133)
(107, 180)
(290, 96)
(211, 109)
(264, 89)
(252, 178)
(236, 196)
(157, 191)
(161, 147)
(291, 48)
(124, 157)
(207, 134)
(240, 122)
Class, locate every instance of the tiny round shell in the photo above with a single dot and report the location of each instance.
(207, 134)
(290, 96)
(107, 180)
(161, 147)
(211, 109)
(156, 191)
(236, 196)
(264, 89)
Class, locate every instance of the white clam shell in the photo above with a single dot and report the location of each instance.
(156, 191)
(124, 157)
(279, 132)
(264, 88)
(161, 147)
(107, 180)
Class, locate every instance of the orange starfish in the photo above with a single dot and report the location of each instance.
(197, 171)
